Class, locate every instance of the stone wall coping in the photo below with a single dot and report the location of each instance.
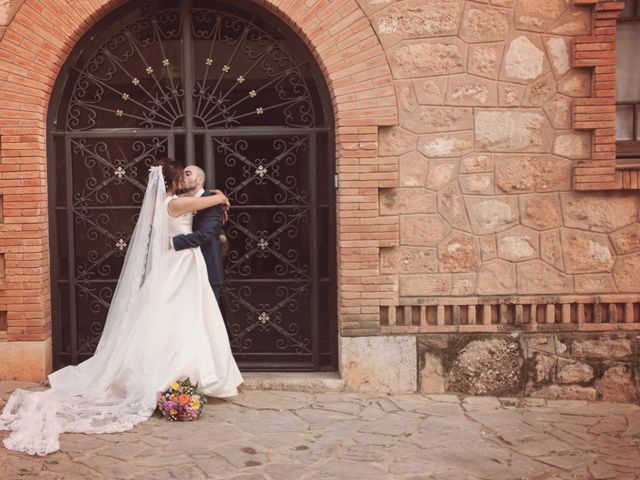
(508, 330)
(519, 300)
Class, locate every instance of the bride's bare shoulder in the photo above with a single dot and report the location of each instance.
(169, 202)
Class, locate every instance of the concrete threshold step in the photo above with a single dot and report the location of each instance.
(310, 382)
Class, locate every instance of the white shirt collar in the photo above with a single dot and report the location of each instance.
(199, 193)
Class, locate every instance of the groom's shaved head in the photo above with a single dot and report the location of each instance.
(193, 178)
(196, 171)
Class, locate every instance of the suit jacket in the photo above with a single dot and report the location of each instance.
(207, 225)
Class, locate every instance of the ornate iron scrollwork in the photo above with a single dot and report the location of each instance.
(102, 242)
(244, 91)
(135, 76)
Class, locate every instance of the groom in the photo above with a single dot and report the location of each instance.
(207, 226)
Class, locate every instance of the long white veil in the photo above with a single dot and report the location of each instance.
(105, 393)
(148, 243)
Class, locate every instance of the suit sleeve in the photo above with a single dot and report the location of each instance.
(210, 225)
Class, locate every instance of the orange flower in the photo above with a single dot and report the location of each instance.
(184, 398)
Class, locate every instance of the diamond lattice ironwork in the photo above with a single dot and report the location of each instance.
(216, 85)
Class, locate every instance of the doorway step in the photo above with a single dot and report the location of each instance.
(310, 382)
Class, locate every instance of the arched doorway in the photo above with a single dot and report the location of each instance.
(225, 85)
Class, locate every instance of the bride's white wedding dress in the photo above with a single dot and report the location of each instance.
(164, 324)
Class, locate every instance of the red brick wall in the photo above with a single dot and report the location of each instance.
(32, 50)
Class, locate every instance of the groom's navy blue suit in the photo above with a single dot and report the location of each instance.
(207, 225)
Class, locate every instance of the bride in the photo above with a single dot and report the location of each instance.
(163, 325)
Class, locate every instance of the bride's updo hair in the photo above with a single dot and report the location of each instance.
(172, 172)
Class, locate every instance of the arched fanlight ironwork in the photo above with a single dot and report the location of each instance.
(241, 73)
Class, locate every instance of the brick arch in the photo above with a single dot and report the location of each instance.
(338, 34)
(350, 56)
(33, 48)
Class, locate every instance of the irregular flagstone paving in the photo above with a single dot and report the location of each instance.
(279, 435)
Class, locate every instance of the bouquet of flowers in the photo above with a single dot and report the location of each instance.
(182, 402)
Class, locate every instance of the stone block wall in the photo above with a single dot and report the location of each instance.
(486, 150)
(562, 365)
(518, 256)
(8, 9)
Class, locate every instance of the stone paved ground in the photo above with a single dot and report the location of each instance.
(283, 435)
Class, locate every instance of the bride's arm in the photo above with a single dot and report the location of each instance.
(181, 205)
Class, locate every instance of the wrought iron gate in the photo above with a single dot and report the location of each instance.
(227, 86)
